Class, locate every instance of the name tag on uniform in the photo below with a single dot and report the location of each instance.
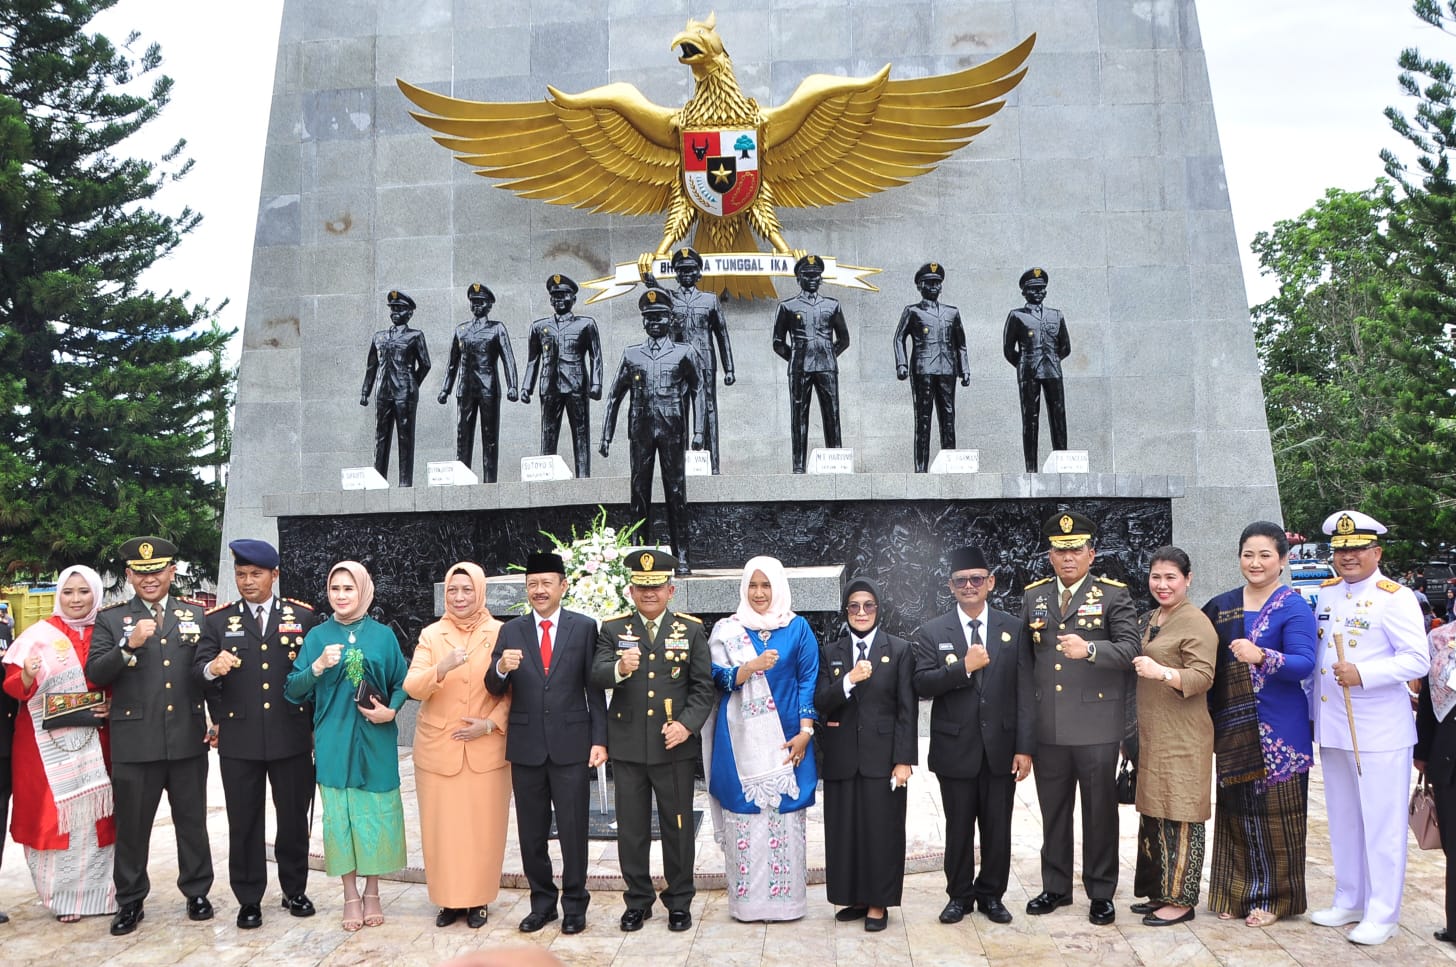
(945, 646)
(233, 633)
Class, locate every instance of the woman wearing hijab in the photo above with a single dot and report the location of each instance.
(63, 800)
(355, 743)
(868, 734)
(1435, 754)
(461, 777)
(766, 662)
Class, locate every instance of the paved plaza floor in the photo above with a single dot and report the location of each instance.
(914, 937)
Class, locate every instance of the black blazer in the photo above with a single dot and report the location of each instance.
(991, 711)
(876, 727)
(558, 716)
(1435, 741)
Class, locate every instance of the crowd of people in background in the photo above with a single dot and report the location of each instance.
(1220, 707)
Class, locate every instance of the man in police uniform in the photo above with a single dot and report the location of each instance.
(1035, 342)
(401, 358)
(243, 660)
(1380, 627)
(558, 349)
(656, 663)
(937, 357)
(477, 346)
(144, 650)
(1084, 636)
(809, 332)
(659, 376)
(697, 320)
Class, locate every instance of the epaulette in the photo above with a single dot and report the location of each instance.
(302, 604)
(113, 607)
(1036, 584)
(193, 601)
(1386, 584)
(1110, 581)
(1329, 581)
(688, 617)
(617, 617)
(221, 607)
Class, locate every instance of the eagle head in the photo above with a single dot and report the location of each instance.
(700, 47)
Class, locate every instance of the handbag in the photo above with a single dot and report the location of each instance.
(1127, 783)
(72, 710)
(366, 693)
(1423, 816)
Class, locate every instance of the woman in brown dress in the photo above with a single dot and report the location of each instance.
(1175, 738)
(461, 777)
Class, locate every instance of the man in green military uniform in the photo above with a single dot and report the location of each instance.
(656, 663)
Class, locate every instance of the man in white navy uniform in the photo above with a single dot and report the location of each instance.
(1380, 625)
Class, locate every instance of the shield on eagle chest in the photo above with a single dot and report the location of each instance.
(720, 169)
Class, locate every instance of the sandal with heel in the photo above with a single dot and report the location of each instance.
(373, 919)
(353, 924)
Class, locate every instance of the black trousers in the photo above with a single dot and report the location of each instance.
(1062, 770)
(538, 790)
(1446, 816)
(243, 788)
(398, 415)
(488, 409)
(666, 444)
(1031, 390)
(801, 384)
(137, 789)
(5, 787)
(938, 393)
(983, 805)
(576, 407)
(672, 784)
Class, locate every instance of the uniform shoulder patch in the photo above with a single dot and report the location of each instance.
(1111, 582)
(688, 617)
(194, 602)
(1037, 584)
(1386, 584)
(222, 607)
(302, 604)
(617, 617)
(1327, 582)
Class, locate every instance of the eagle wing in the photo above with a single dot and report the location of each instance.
(840, 138)
(608, 149)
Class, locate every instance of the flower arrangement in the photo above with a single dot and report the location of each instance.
(596, 577)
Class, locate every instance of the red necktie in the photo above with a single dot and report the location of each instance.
(546, 646)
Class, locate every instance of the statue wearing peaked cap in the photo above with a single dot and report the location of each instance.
(400, 357)
(1036, 342)
(937, 359)
(478, 345)
(558, 352)
(810, 334)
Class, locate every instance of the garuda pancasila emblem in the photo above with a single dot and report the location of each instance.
(721, 162)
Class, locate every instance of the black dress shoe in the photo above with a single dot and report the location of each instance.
(994, 909)
(1445, 936)
(477, 917)
(1045, 902)
(299, 906)
(1153, 920)
(4, 917)
(1144, 908)
(447, 916)
(250, 916)
(535, 921)
(954, 912)
(631, 920)
(851, 914)
(1101, 913)
(127, 918)
(679, 920)
(199, 908)
(876, 924)
(573, 923)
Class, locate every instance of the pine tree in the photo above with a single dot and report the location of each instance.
(108, 391)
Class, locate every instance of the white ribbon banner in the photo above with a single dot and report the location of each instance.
(627, 277)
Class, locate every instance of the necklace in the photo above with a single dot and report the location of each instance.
(350, 628)
(764, 636)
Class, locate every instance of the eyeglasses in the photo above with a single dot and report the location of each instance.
(974, 580)
(855, 607)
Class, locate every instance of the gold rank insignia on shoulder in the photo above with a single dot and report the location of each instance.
(688, 617)
(302, 604)
(221, 607)
(1112, 582)
(1385, 584)
(1037, 584)
(617, 617)
(1330, 581)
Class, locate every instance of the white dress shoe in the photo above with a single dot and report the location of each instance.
(1336, 916)
(1372, 934)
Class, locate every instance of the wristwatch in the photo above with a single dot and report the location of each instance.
(1091, 651)
(1167, 675)
(128, 656)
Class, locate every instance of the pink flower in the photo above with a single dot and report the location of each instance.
(773, 842)
(742, 844)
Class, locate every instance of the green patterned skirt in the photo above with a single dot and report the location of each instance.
(363, 831)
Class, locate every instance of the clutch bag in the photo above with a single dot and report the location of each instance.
(72, 710)
(1423, 816)
(366, 692)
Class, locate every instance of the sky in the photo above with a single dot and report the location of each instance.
(1299, 87)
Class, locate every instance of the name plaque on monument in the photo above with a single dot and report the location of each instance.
(956, 461)
(548, 467)
(698, 463)
(451, 473)
(831, 460)
(1066, 461)
(362, 478)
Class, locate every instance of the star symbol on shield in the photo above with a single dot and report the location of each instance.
(721, 175)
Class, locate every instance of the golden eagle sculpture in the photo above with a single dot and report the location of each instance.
(721, 162)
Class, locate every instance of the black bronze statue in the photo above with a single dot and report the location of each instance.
(1036, 342)
(401, 359)
(809, 332)
(937, 357)
(697, 320)
(659, 375)
(477, 346)
(558, 351)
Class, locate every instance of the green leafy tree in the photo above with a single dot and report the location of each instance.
(108, 391)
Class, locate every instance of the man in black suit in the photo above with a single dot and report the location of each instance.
(810, 334)
(144, 651)
(243, 660)
(558, 731)
(1084, 636)
(657, 665)
(974, 663)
